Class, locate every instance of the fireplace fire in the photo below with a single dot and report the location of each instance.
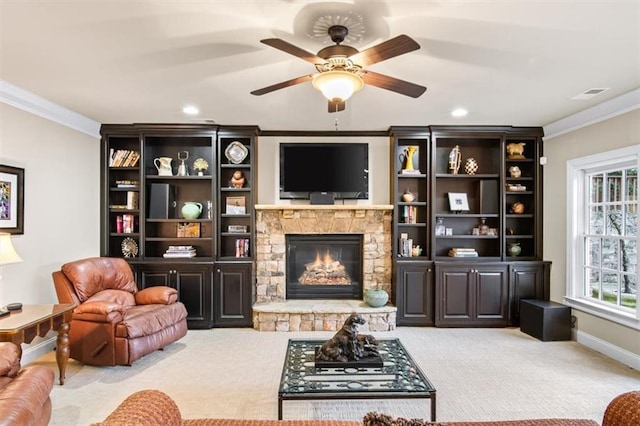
(325, 270)
(324, 266)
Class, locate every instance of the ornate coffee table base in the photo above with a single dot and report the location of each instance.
(399, 378)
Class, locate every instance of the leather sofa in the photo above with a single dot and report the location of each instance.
(152, 407)
(113, 323)
(24, 392)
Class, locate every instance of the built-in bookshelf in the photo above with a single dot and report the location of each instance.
(178, 203)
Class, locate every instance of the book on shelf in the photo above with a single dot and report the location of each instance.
(133, 198)
(123, 158)
(242, 247)
(462, 252)
(236, 205)
(406, 247)
(118, 206)
(235, 229)
(127, 184)
(179, 255)
(180, 252)
(128, 223)
(409, 214)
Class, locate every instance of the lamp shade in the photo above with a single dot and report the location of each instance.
(7, 252)
(337, 85)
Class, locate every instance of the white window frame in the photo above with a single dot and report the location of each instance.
(576, 202)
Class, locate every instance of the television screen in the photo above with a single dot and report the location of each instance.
(338, 168)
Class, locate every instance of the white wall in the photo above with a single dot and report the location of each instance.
(62, 201)
(269, 168)
(618, 132)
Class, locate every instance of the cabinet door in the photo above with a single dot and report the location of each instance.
(193, 283)
(454, 295)
(414, 293)
(528, 280)
(233, 297)
(491, 295)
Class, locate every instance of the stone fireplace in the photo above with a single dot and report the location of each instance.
(274, 223)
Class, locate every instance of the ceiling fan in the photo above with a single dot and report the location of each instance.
(340, 68)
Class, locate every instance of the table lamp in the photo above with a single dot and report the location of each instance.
(7, 255)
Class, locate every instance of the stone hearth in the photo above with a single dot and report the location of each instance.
(273, 311)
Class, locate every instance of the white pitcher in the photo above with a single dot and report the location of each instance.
(163, 164)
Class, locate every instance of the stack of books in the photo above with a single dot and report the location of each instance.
(180, 251)
(463, 252)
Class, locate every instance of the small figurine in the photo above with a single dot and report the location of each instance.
(515, 151)
(237, 179)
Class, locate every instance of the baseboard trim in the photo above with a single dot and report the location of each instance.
(606, 348)
(36, 350)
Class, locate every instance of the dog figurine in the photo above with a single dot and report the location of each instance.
(347, 344)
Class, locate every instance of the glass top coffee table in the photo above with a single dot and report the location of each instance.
(399, 377)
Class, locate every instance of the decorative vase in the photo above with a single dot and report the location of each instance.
(514, 249)
(163, 164)
(517, 208)
(407, 155)
(376, 297)
(471, 166)
(191, 210)
(408, 197)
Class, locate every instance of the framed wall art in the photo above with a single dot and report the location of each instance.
(11, 199)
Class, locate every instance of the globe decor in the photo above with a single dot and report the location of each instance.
(376, 297)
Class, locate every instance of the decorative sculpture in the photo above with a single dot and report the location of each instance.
(454, 160)
(347, 344)
(515, 151)
(237, 179)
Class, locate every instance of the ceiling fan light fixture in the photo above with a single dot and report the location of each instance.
(337, 84)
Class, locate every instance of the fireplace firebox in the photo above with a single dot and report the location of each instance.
(324, 266)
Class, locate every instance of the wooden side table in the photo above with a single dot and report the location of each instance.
(22, 326)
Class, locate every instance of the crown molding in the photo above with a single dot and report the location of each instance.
(603, 111)
(34, 104)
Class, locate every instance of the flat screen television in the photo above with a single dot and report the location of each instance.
(341, 169)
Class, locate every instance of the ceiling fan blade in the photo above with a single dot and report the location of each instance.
(282, 85)
(394, 84)
(387, 49)
(336, 106)
(293, 50)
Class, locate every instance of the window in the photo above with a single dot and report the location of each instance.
(602, 244)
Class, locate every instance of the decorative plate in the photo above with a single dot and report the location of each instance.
(236, 152)
(129, 247)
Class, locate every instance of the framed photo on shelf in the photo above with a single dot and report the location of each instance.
(188, 230)
(11, 200)
(236, 205)
(458, 202)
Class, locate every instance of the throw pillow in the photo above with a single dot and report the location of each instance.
(377, 419)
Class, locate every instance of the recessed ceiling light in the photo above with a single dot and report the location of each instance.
(191, 110)
(459, 112)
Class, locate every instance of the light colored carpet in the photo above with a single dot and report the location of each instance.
(479, 374)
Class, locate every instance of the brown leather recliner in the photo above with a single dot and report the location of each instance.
(24, 393)
(114, 323)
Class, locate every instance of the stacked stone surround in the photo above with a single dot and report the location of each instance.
(273, 312)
